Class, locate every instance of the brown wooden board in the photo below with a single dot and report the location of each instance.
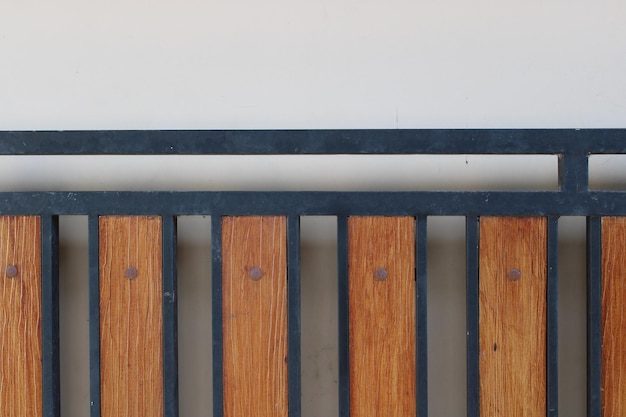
(512, 285)
(131, 353)
(20, 317)
(254, 314)
(381, 286)
(613, 316)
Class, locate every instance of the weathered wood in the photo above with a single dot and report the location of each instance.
(20, 317)
(254, 314)
(613, 316)
(512, 284)
(381, 282)
(131, 353)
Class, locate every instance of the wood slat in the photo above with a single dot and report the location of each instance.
(131, 353)
(512, 326)
(381, 286)
(20, 317)
(254, 314)
(613, 316)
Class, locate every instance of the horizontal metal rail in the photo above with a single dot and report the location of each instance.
(438, 203)
(573, 148)
(320, 142)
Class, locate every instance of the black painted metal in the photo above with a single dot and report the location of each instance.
(573, 197)
(471, 266)
(94, 316)
(50, 316)
(293, 282)
(216, 272)
(170, 318)
(574, 171)
(410, 203)
(274, 142)
(552, 337)
(594, 317)
(344, 319)
(421, 342)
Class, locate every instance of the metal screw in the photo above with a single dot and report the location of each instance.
(11, 271)
(255, 273)
(381, 274)
(131, 272)
(514, 274)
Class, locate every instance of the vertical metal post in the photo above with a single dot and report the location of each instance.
(422, 316)
(472, 262)
(50, 316)
(293, 316)
(170, 318)
(574, 172)
(344, 318)
(94, 315)
(552, 347)
(594, 316)
(216, 271)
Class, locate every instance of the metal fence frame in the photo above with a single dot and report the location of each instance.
(572, 198)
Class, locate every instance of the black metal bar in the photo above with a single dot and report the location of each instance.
(344, 318)
(594, 317)
(552, 339)
(421, 255)
(408, 203)
(170, 318)
(50, 316)
(473, 367)
(266, 142)
(94, 316)
(293, 282)
(216, 272)
(574, 172)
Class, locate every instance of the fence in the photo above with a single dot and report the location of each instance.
(511, 250)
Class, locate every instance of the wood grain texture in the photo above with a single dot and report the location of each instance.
(20, 317)
(382, 316)
(131, 323)
(613, 317)
(254, 316)
(513, 316)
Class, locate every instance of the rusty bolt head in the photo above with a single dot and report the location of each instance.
(255, 273)
(11, 271)
(381, 274)
(514, 274)
(131, 272)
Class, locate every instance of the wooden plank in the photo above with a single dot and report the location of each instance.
(381, 287)
(131, 352)
(512, 326)
(20, 317)
(613, 316)
(254, 314)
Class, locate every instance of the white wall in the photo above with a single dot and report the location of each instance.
(296, 64)
(278, 64)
